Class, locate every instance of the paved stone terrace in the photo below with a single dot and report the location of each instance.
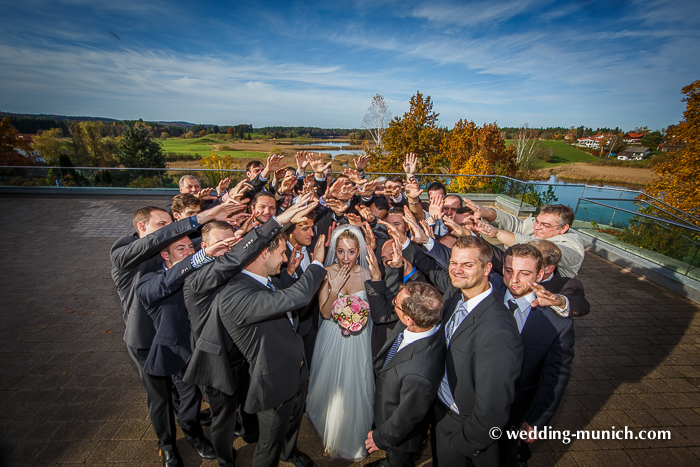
(69, 394)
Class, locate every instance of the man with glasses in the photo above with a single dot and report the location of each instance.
(553, 223)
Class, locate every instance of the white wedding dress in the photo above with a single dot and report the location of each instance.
(341, 388)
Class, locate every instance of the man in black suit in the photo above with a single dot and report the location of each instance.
(160, 293)
(409, 369)
(260, 318)
(548, 345)
(133, 256)
(217, 365)
(484, 355)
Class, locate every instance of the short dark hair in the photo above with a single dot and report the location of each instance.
(395, 179)
(280, 237)
(525, 250)
(461, 203)
(183, 201)
(565, 213)
(252, 164)
(438, 186)
(423, 305)
(465, 210)
(262, 194)
(471, 241)
(381, 203)
(214, 225)
(144, 215)
(551, 253)
(395, 210)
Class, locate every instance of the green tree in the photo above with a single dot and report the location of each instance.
(50, 145)
(652, 140)
(138, 149)
(679, 176)
(416, 131)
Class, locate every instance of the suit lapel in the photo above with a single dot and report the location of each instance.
(390, 341)
(534, 321)
(475, 313)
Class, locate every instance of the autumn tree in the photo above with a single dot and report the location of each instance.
(416, 131)
(138, 149)
(13, 148)
(50, 145)
(679, 176)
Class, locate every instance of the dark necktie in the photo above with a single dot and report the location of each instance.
(394, 348)
(513, 306)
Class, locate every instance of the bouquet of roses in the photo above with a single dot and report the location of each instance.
(351, 313)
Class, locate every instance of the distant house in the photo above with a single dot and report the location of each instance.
(591, 141)
(634, 154)
(668, 147)
(632, 138)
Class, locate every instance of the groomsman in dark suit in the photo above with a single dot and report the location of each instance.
(160, 293)
(217, 365)
(484, 356)
(133, 256)
(548, 345)
(260, 318)
(409, 369)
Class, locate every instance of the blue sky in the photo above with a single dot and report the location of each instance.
(544, 63)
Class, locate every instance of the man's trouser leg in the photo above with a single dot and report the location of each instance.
(158, 400)
(188, 411)
(223, 423)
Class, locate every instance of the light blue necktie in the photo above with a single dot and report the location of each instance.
(457, 317)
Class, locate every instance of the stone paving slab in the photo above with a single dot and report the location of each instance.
(70, 394)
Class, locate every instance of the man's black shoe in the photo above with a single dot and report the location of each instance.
(171, 459)
(204, 449)
(377, 463)
(205, 417)
(299, 459)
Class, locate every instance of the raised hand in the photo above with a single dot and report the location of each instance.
(484, 228)
(426, 228)
(354, 176)
(347, 191)
(205, 194)
(286, 185)
(413, 190)
(419, 236)
(394, 232)
(238, 219)
(302, 162)
(220, 247)
(218, 213)
(365, 212)
(409, 165)
(293, 210)
(361, 162)
(237, 192)
(435, 208)
(331, 228)
(368, 189)
(223, 186)
(337, 206)
(407, 213)
(369, 236)
(274, 163)
(316, 163)
(457, 230)
(293, 262)
(334, 190)
(319, 253)
(354, 219)
(546, 298)
(301, 216)
(396, 260)
(374, 273)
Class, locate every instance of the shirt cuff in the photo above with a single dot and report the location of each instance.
(563, 312)
(317, 263)
(320, 179)
(431, 243)
(201, 258)
(406, 243)
(263, 179)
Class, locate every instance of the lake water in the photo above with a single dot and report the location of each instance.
(354, 152)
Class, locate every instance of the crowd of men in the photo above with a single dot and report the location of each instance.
(218, 293)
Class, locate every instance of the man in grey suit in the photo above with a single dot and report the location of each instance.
(484, 356)
(133, 256)
(261, 320)
(409, 369)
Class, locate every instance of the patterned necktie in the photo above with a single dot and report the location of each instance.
(459, 314)
(270, 285)
(394, 348)
(513, 306)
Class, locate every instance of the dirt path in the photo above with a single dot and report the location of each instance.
(580, 171)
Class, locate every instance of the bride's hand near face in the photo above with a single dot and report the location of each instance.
(334, 282)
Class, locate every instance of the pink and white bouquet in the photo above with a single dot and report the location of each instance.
(351, 313)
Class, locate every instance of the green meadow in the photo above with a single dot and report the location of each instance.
(203, 147)
(563, 154)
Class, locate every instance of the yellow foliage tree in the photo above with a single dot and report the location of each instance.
(477, 164)
(679, 176)
(223, 165)
(50, 145)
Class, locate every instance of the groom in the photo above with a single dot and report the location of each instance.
(260, 318)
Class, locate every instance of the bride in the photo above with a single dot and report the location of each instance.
(341, 384)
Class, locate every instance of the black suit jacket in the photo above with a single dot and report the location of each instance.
(131, 258)
(256, 319)
(309, 317)
(406, 389)
(160, 293)
(211, 345)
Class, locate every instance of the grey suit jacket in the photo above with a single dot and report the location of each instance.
(256, 319)
(211, 344)
(132, 257)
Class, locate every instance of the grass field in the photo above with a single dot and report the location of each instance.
(563, 154)
(204, 146)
